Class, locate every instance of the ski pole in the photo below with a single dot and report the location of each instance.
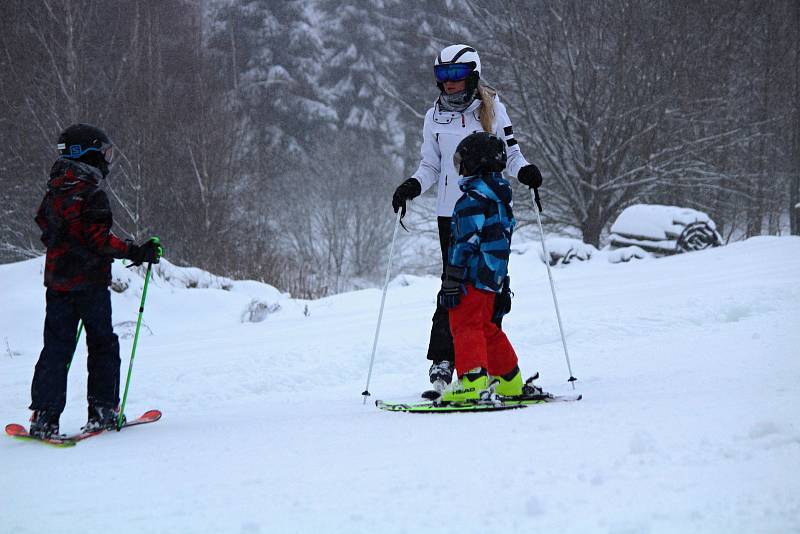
(77, 338)
(538, 203)
(121, 416)
(383, 301)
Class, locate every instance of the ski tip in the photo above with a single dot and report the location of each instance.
(151, 415)
(14, 429)
(21, 433)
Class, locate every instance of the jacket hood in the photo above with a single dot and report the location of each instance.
(66, 174)
(491, 185)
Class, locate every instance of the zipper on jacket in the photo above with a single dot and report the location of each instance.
(463, 124)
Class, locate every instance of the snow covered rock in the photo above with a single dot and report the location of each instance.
(563, 250)
(626, 254)
(127, 329)
(258, 310)
(664, 230)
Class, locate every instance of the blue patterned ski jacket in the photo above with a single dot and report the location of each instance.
(481, 230)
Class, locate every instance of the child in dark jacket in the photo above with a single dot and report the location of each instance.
(477, 270)
(75, 219)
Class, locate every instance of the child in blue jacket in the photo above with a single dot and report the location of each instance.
(477, 269)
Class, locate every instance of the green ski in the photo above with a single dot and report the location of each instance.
(501, 403)
(444, 407)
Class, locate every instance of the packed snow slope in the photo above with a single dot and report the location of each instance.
(690, 422)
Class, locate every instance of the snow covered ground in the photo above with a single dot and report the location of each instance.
(689, 366)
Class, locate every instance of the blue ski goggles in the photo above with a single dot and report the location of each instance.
(453, 72)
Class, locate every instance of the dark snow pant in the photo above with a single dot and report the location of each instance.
(440, 346)
(64, 310)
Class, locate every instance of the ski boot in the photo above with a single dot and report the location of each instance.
(44, 424)
(101, 418)
(440, 374)
(509, 384)
(473, 386)
(441, 370)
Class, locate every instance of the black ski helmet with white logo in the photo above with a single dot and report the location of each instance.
(479, 153)
(86, 143)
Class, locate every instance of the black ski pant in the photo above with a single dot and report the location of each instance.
(64, 310)
(440, 346)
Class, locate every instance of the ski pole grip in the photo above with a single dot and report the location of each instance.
(538, 199)
(157, 240)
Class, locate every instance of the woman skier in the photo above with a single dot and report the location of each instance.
(465, 105)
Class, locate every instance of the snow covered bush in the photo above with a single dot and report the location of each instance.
(664, 230)
(189, 277)
(258, 310)
(564, 250)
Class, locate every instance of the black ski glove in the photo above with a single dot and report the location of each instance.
(149, 252)
(502, 302)
(452, 286)
(406, 191)
(529, 175)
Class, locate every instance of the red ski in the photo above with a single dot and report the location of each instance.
(20, 432)
(150, 416)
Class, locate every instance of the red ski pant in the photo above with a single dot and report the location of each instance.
(477, 340)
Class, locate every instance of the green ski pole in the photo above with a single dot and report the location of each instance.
(77, 338)
(121, 416)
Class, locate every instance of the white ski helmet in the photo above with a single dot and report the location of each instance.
(459, 53)
(457, 62)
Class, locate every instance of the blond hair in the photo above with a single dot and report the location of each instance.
(487, 94)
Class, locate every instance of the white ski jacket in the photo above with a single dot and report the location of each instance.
(442, 132)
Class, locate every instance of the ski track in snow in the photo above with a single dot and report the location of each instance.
(688, 365)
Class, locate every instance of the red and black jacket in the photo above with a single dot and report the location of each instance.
(75, 218)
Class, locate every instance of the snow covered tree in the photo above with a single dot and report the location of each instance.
(46, 84)
(355, 49)
(794, 189)
(217, 106)
(593, 87)
(335, 221)
(272, 54)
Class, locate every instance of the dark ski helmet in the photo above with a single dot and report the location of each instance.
(480, 152)
(457, 62)
(86, 143)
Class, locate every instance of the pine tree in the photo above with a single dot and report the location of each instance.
(272, 52)
(355, 47)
